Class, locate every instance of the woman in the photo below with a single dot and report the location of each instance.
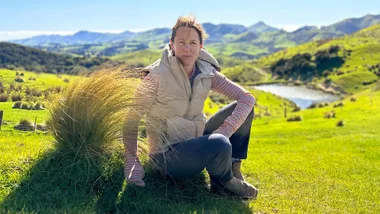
(172, 95)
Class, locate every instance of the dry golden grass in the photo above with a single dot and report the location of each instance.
(88, 118)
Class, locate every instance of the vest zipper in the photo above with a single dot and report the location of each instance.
(196, 80)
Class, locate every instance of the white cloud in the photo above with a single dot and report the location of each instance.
(293, 27)
(22, 34)
(290, 27)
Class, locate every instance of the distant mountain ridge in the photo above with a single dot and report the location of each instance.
(79, 38)
(234, 40)
(215, 33)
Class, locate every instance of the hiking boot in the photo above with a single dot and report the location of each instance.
(241, 188)
(219, 190)
(236, 170)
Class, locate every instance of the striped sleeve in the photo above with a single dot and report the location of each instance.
(245, 103)
(144, 99)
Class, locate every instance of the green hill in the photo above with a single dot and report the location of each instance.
(350, 63)
(13, 56)
(138, 58)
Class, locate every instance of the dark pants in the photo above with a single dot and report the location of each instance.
(210, 151)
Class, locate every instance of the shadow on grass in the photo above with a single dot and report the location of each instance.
(59, 183)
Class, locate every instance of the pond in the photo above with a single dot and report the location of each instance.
(300, 95)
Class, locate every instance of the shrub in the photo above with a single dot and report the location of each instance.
(30, 98)
(46, 95)
(90, 114)
(33, 92)
(12, 87)
(16, 97)
(17, 104)
(368, 82)
(340, 104)
(66, 80)
(340, 73)
(41, 127)
(330, 114)
(4, 97)
(294, 118)
(19, 79)
(322, 104)
(58, 89)
(267, 114)
(353, 99)
(25, 106)
(15, 87)
(25, 125)
(296, 108)
(38, 106)
(326, 73)
(340, 123)
(2, 89)
(313, 105)
(219, 98)
(377, 86)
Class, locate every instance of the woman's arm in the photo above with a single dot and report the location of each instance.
(144, 99)
(245, 103)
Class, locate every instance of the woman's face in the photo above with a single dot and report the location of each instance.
(186, 45)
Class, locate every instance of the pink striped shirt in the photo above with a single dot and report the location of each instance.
(145, 98)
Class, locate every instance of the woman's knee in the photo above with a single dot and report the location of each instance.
(220, 143)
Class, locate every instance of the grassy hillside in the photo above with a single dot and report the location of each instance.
(16, 57)
(29, 96)
(315, 166)
(39, 81)
(360, 53)
(138, 58)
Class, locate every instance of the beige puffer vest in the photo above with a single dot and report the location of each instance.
(178, 112)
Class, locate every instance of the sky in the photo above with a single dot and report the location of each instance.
(27, 18)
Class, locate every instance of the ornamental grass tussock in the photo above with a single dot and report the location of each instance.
(87, 118)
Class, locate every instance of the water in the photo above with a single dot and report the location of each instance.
(302, 96)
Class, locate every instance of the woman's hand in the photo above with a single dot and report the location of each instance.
(134, 173)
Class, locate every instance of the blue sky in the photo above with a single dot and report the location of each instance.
(25, 18)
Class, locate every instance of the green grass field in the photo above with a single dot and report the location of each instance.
(39, 81)
(311, 166)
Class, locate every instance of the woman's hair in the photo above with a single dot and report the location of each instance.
(189, 21)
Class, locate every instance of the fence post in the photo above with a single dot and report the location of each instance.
(285, 112)
(35, 124)
(1, 118)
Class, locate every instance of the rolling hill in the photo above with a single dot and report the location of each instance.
(16, 57)
(350, 63)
